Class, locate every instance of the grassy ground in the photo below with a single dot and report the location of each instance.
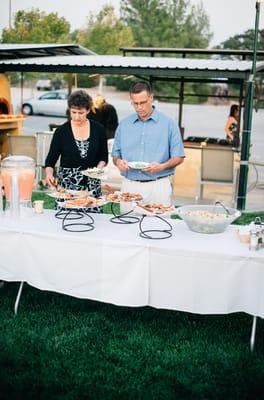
(63, 348)
(58, 347)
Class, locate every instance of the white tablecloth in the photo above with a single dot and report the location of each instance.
(198, 273)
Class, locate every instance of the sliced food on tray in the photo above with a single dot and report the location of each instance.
(118, 197)
(61, 193)
(155, 208)
(88, 202)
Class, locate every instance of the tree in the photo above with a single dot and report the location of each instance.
(36, 26)
(170, 23)
(244, 41)
(105, 33)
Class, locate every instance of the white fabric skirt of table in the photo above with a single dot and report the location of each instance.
(197, 273)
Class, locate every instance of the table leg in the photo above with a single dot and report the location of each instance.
(253, 333)
(18, 297)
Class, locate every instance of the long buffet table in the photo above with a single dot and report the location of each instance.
(197, 273)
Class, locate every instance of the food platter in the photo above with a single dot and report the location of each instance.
(138, 164)
(96, 173)
(82, 203)
(64, 194)
(119, 197)
(154, 209)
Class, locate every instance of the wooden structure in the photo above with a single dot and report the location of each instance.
(10, 123)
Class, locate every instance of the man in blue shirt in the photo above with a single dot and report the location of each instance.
(147, 148)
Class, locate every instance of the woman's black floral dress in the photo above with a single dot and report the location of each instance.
(82, 154)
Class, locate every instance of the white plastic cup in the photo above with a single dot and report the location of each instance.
(38, 206)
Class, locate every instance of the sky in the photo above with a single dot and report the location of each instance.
(227, 17)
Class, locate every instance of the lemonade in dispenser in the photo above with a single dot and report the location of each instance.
(18, 175)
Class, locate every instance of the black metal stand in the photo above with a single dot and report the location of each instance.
(124, 218)
(155, 233)
(77, 226)
(62, 212)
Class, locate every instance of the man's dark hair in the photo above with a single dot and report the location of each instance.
(80, 99)
(139, 87)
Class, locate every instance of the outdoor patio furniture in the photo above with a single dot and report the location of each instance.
(218, 168)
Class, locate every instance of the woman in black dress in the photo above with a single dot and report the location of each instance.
(231, 126)
(106, 114)
(80, 144)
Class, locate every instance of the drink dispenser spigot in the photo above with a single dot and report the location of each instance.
(18, 174)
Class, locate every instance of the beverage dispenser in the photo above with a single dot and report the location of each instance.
(18, 174)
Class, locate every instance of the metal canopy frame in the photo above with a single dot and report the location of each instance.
(161, 67)
(243, 54)
(16, 51)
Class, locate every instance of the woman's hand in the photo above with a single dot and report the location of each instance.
(50, 180)
(101, 165)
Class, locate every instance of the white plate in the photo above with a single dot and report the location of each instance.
(68, 194)
(98, 203)
(143, 211)
(97, 173)
(119, 199)
(138, 164)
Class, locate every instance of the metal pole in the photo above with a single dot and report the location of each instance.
(21, 91)
(181, 107)
(10, 15)
(247, 125)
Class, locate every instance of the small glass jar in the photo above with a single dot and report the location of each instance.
(254, 241)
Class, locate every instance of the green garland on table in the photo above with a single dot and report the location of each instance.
(49, 203)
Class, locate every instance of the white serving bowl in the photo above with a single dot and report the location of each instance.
(207, 218)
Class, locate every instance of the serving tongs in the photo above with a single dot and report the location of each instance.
(218, 202)
(57, 187)
(107, 189)
(258, 221)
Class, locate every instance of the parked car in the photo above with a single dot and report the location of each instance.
(51, 103)
(44, 84)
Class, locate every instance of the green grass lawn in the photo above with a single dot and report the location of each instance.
(59, 347)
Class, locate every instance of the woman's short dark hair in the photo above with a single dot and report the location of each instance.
(80, 99)
(139, 87)
(233, 109)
